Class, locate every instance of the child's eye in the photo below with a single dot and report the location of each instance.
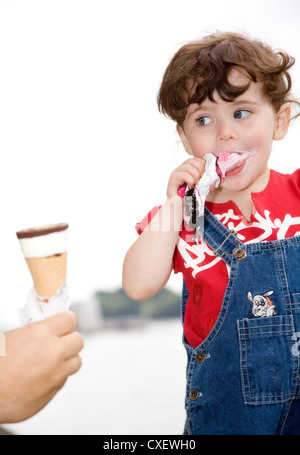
(241, 113)
(204, 120)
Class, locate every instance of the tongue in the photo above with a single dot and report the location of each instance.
(227, 161)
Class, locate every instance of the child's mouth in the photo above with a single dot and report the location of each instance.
(235, 169)
(230, 164)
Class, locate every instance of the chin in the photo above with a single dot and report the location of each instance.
(232, 185)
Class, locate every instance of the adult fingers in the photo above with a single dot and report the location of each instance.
(62, 323)
(72, 344)
(72, 365)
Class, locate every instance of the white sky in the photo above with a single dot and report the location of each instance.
(81, 139)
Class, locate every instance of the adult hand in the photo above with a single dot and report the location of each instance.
(39, 358)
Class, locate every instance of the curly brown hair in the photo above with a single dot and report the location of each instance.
(200, 68)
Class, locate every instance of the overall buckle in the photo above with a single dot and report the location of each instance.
(239, 253)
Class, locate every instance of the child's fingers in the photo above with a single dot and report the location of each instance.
(199, 163)
(190, 172)
(188, 178)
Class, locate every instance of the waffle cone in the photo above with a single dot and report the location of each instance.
(48, 273)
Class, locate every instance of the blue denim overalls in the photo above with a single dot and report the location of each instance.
(244, 377)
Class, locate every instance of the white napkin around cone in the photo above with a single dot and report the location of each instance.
(38, 308)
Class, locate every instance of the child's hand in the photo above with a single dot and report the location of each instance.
(189, 172)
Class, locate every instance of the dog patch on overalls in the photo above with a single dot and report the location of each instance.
(262, 306)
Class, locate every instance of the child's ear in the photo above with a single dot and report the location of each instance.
(282, 122)
(184, 140)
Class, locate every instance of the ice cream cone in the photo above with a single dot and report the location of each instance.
(45, 252)
(48, 273)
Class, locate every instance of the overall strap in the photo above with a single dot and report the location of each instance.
(224, 242)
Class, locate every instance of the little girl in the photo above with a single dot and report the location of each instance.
(230, 97)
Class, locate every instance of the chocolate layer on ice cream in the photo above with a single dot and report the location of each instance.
(41, 230)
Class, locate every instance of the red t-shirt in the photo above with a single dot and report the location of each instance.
(275, 215)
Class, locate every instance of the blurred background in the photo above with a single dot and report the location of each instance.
(82, 142)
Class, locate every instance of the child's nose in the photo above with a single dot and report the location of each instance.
(226, 132)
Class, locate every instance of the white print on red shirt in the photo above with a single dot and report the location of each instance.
(265, 224)
(201, 257)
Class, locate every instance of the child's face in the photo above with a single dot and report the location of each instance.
(249, 122)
